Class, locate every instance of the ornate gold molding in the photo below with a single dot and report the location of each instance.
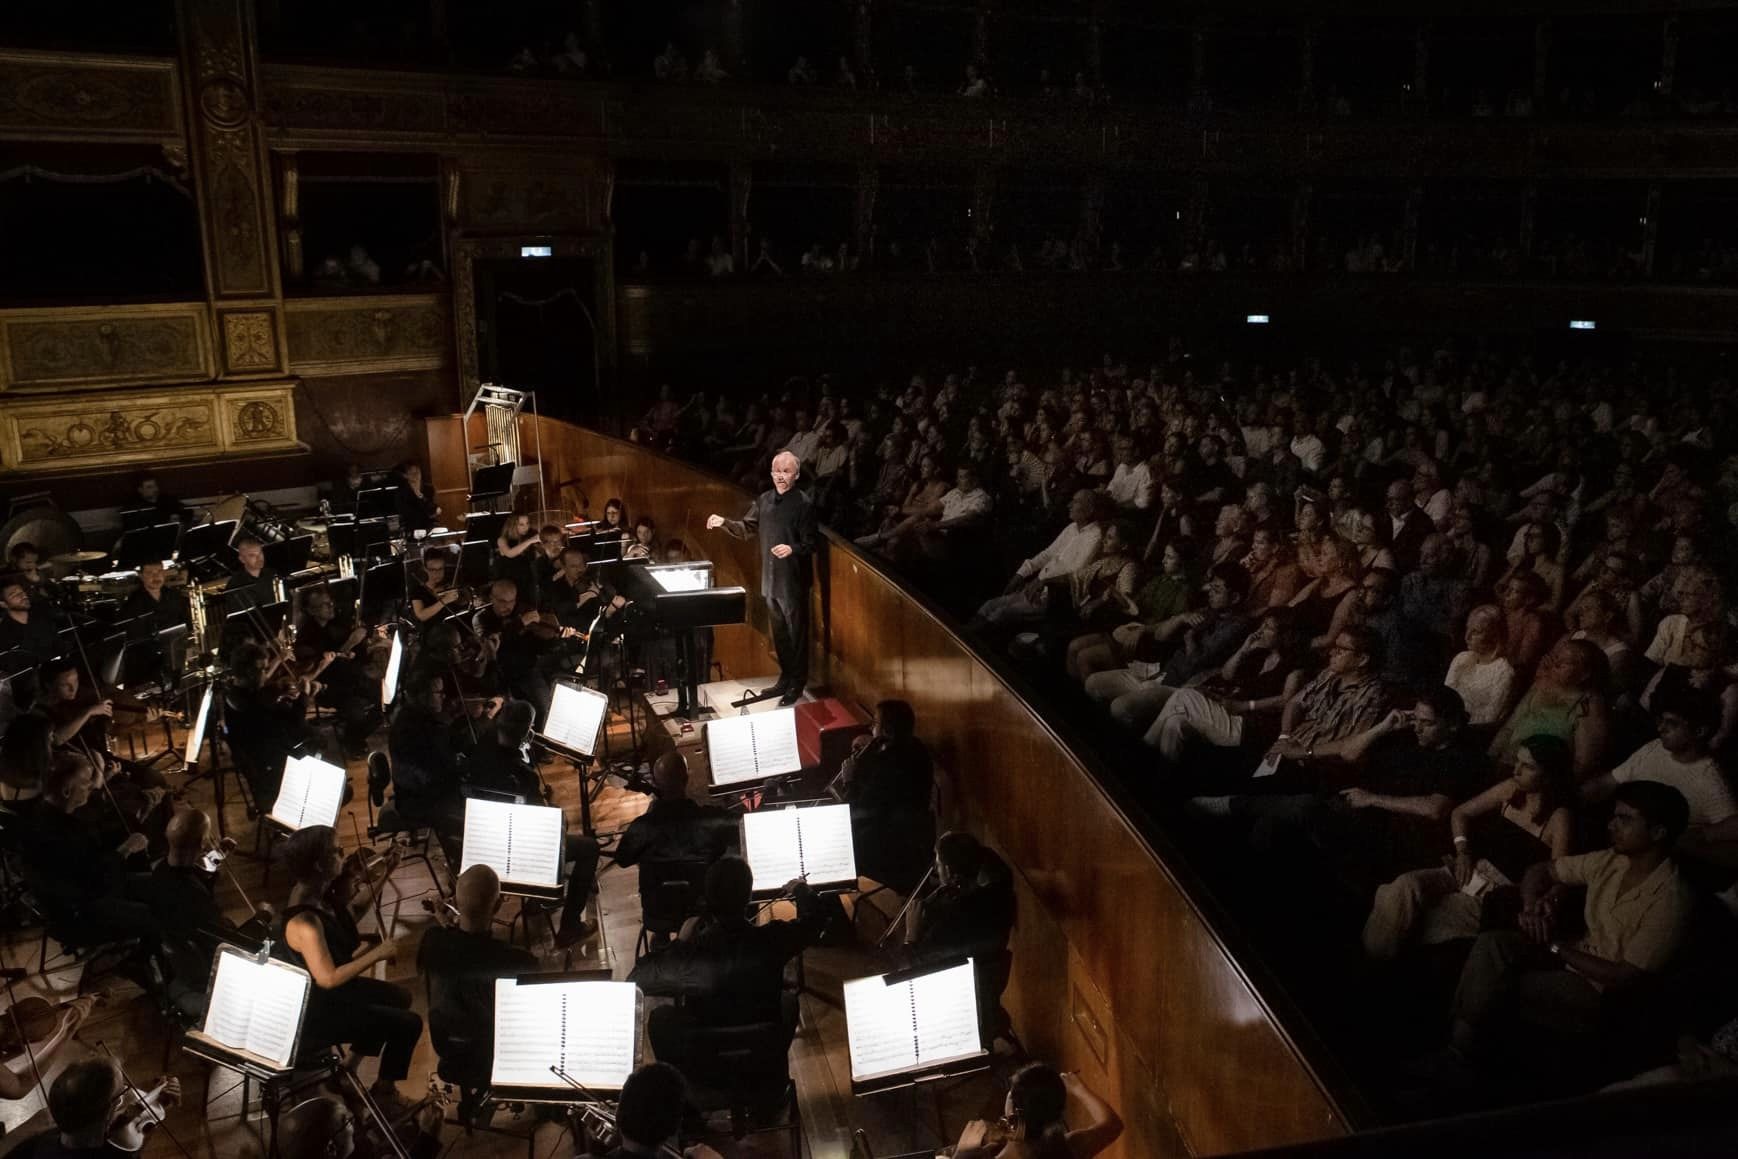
(368, 333)
(117, 428)
(250, 342)
(77, 97)
(103, 345)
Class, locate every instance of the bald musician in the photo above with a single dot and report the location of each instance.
(784, 519)
(83, 1101)
(676, 827)
(461, 964)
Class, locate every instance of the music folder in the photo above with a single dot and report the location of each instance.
(311, 793)
(589, 1029)
(394, 662)
(196, 731)
(906, 1027)
(743, 749)
(253, 1010)
(808, 841)
(576, 715)
(524, 844)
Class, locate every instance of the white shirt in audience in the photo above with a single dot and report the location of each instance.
(1701, 782)
(1309, 451)
(1071, 550)
(1484, 686)
(957, 504)
(1131, 486)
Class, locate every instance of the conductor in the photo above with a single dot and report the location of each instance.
(785, 519)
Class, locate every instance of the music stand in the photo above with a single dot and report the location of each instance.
(913, 1026)
(474, 556)
(289, 555)
(484, 525)
(576, 719)
(812, 842)
(561, 1036)
(254, 1009)
(492, 482)
(742, 752)
(152, 544)
(134, 518)
(207, 540)
(526, 846)
(382, 583)
(255, 617)
(377, 503)
(310, 793)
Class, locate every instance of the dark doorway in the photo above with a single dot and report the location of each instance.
(537, 329)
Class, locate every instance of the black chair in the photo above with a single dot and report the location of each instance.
(385, 820)
(745, 1070)
(669, 895)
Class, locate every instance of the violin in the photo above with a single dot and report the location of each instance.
(139, 1116)
(32, 1021)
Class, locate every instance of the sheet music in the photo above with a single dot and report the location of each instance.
(394, 660)
(585, 1028)
(769, 845)
(256, 1007)
(911, 1025)
(946, 1003)
(196, 734)
(310, 794)
(523, 844)
(575, 716)
(811, 841)
(829, 857)
(746, 748)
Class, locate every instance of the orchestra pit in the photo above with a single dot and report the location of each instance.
(868, 579)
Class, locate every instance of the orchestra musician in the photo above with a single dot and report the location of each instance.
(676, 827)
(318, 933)
(137, 791)
(546, 560)
(970, 914)
(461, 963)
(181, 891)
(498, 763)
(1032, 1124)
(265, 718)
(26, 560)
(14, 1085)
(433, 600)
(24, 627)
(148, 493)
(783, 517)
(889, 782)
(252, 584)
(326, 653)
(26, 751)
(516, 553)
(153, 602)
(726, 969)
(427, 750)
(649, 1115)
(83, 1102)
(345, 490)
(614, 525)
(417, 510)
(515, 653)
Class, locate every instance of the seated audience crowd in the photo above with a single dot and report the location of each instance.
(1431, 658)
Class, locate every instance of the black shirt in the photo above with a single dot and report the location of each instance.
(788, 519)
(71, 859)
(500, 769)
(245, 591)
(1386, 844)
(168, 610)
(683, 830)
(461, 969)
(49, 1146)
(576, 606)
(516, 656)
(36, 635)
(181, 897)
(415, 513)
(891, 776)
(732, 973)
(424, 763)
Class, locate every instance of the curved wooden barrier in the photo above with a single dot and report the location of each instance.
(1124, 969)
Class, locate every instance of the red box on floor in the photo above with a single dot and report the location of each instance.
(825, 729)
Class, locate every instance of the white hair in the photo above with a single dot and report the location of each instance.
(796, 463)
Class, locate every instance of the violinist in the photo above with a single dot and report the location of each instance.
(676, 827)
(970, 914)
(181, 890)
(81, 878)
(461, 965)
(614, 527)
(252, 584)
(453, 658)
(318, 933)
(324, 1128)
(546, 560)
(498, 763)
(427, 765)
(88, 1102)
(153, 603)
(649, 1115)
(516, 555)
(514, 653)
(326, 652)
(24, 628)
(889, 782)
(575, 593)
(137, 790)
(1032, 1126)
(43, 1054)
(265, 719)
(432, 601)
(644, 544)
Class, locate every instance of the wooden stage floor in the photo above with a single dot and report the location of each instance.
(212, 1122)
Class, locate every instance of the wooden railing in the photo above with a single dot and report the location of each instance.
(1123, 967)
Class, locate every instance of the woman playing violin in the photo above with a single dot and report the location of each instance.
(137, 790)
(1032, 1126)
(16, 1031)
(433, 601)
(319, 935)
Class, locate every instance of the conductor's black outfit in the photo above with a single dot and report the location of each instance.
(789, 519)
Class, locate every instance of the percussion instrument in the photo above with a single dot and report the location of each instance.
(319, 529)
(77, 558)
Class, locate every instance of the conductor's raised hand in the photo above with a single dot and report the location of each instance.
(714, 522)
(781, 551)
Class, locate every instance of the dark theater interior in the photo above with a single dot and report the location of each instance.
(868, 579)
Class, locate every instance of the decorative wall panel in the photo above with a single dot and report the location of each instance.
(250, 342)
(120, 427)
(104, 345)
(353, 335)
(56, 96)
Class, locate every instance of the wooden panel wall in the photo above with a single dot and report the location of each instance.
(1117, 972)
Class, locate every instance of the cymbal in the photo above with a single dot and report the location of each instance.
(78, 557)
